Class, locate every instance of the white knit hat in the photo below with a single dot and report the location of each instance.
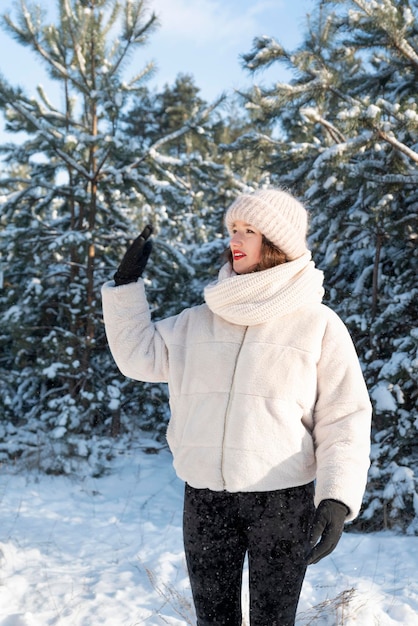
(277, 214)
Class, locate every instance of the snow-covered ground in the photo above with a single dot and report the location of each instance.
(108, 551)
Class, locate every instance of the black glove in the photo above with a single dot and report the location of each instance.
(328, 525)
(135, 259)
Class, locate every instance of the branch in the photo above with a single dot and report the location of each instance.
(391, 178)
(398, 145)
(196, 121)
(399, 43)
(314, 116)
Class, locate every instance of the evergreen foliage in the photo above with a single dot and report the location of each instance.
(84, 181)
(346, 137)
(90, 173)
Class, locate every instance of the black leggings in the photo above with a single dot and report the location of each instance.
(272, 527)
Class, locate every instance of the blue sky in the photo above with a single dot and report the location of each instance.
(204, 38)
(207, 37)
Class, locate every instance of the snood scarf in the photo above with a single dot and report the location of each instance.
(257, 297)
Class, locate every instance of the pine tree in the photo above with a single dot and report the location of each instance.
(212, 176)
(346, 130)
(75, 192)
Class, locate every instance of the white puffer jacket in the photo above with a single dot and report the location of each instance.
(272, 402)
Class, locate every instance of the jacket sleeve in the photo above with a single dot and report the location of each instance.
(342, 420)
(136, 345)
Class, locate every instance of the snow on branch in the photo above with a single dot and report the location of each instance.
(379, 13)
(179, 258)
(398, 145)
(191, 124)
(390, 179)
(313, 115)
(266, 51)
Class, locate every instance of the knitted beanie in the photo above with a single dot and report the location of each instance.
(277, 215)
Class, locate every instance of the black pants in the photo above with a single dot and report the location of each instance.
(220, 528)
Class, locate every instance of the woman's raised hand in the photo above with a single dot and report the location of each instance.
(135, 259)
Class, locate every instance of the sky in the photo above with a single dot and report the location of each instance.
(207, 37)
(204, 38)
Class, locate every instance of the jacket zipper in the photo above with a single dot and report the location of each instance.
(231, 393)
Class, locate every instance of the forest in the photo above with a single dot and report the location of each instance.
(342, 134)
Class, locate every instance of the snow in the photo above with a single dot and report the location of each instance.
(77, 551)
(373, 111)
(383, 398)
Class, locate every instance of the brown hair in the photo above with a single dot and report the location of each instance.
(271, 256)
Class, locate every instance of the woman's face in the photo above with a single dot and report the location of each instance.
(245, 246)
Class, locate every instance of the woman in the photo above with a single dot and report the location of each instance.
(270, 416)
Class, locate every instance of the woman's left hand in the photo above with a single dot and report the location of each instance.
(327, 526)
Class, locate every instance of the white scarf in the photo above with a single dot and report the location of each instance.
(257, 297)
